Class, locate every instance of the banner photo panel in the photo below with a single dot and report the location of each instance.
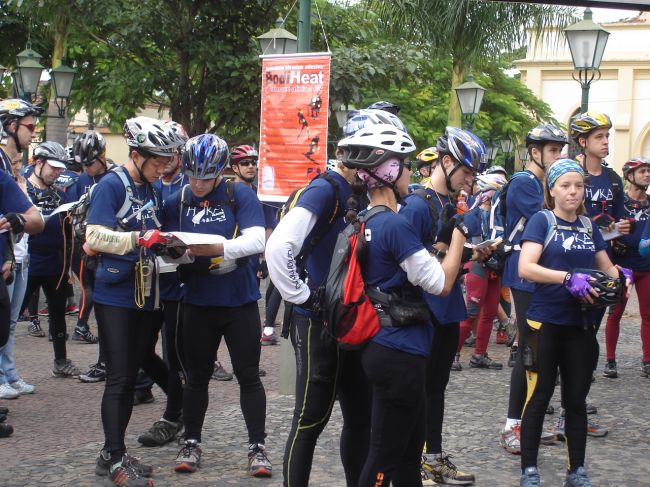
(293, 122)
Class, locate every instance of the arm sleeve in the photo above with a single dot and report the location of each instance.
(425, 271)
(250, 242)
(283, 245)
(103, 239)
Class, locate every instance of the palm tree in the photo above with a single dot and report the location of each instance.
(472, 32)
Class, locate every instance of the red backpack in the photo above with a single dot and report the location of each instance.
(350, 315)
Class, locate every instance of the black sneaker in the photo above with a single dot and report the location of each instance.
(103, 465)
(143, 396)
(6, 430)
(96, 373)
(84, 335)
(126, 474)
(645, 369)
(610, 369)
(34, 329)
(4, 410)
(484, 362)
(188, 459)
(512, 359)
(161, 433)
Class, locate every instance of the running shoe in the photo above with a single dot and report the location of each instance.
(645, 369)
(258, 463)
(484, 362)
(4, 410)
(511, 329)
(34, 329)
(43, 312)
(578, 478)
(23, 387)
(548, 438)
(530, 478)
(103, 465)
(96, 373)
(512, 359)
(511, 439)
(456, 365)
(25, 317)
(558, 428)
(6, 430)
(65, 368)
(262, 372)
(220, 373)
(142, 396)
(427, 481)
(610, 370)
(84, 335)
(161, 433)
(189, 457)
(443, 471)
(125, 474)
(591, 409)
(8, 392)
(550, 409)
(471, 340)
(596, 430)
(501, 336)
(271, 339)
(71, 309)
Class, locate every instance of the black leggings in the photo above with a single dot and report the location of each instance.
(438, 368)
(173, 346)
(203, 327)
(517, 397)
(574, 350)
(83, 267)
(272, 300)
(56, 302)
(397, 436)
(322, 372)
(128, 337)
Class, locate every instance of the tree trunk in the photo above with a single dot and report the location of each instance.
(57, 128)
(457, 74)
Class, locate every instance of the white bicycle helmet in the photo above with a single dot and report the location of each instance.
(490, 182)
(366, 117)
(374, 144)
(152, 136)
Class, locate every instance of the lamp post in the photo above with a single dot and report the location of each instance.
(470, 98)
(493, 149)
(29, 71)
(62, 77)
(508, 146)
(278, 40)
(522, 151)
(587, 41)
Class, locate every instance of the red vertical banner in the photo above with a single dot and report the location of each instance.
(293, 122)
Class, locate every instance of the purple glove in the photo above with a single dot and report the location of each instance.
(628, 274)
(577, 284)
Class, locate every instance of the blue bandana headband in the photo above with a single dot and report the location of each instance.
(560, 167)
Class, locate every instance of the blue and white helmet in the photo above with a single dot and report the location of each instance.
(205, 156)
(366, 117)
(464, 147)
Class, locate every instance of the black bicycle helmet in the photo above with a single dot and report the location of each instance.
(52, 152)
(544, 133)
(14, 109)
(88, 147)
(386, 106)
(609, 289)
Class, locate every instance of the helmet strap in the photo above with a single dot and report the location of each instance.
(634, 183)
(14, 135)
(448, 176)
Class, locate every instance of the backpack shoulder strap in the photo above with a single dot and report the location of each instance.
(614, 182)
(181, 204)
(586, 224)
(128, 197)
(552, 227)
(375, 210)
(337, 196)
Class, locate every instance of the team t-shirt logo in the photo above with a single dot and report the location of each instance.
(575, 241)
(599, 194)
(205, 215)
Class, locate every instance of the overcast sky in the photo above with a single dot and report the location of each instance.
(611, 14)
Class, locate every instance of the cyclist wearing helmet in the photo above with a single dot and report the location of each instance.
(426, 161)
(559, 249)
(304, 239)
(459, 155)
(497, 170)
(523, 199)
(396, 262)
(364, 118)
(47, 265)
(626, 253)
(220, 294)
(482, 284)
(89, 150)
(18, 119)
(126, 294)
(386, 106)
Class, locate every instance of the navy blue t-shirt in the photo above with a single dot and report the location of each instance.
(569, 249)
(523, 199)
(447, 309)
(391, 239)
(319, 199)
(115, 275)
(12, 200)
(46, 248)
(84, 182)
(212, 214)
(67, 183)
(599, 195)
(639, 211)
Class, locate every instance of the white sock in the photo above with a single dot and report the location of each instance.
(512, 422)
(268, 330)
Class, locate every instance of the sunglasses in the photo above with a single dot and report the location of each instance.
(29, 126)
(248, 163)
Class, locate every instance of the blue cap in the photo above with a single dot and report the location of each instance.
(560, 167)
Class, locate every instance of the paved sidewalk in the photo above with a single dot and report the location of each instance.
(58, 429)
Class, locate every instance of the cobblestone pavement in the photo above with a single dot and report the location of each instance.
(58, 429)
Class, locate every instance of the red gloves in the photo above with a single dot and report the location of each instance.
(155, 240)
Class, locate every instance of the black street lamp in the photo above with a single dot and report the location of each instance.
(587, 41)
(29, 71)
(493, 149)
(522, 152)
(508, 146)
(278, 40)
(470, 98)
(62, 77)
